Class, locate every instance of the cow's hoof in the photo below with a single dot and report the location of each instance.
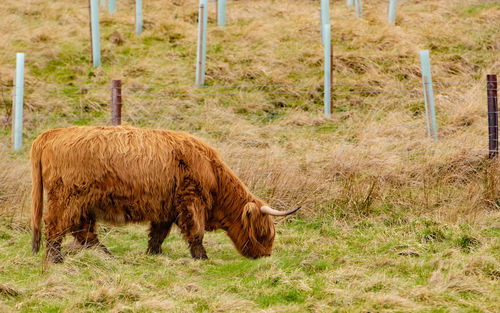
(200, 257)
(198, 253)
(153, 251)
(106, 251)
(56, 259)
(109, 255)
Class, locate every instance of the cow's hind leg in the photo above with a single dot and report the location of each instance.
(55, 229)
(85, 234)
(54, 235)
(157, 234)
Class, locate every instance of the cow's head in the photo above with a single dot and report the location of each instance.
(256, 233)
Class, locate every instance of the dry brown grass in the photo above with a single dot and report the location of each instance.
(391, 221)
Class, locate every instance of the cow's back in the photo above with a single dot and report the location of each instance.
(122, 174)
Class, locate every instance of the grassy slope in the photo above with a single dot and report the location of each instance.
(391, 221)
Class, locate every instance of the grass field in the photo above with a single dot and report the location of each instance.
(391, 221)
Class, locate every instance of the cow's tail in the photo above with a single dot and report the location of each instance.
(36, 196)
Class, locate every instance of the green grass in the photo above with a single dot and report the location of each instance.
(357, 268)
(391, 221)
(475, 9)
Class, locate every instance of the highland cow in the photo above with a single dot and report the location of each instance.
(123, 174)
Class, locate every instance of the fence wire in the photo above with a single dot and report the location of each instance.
(48, 106)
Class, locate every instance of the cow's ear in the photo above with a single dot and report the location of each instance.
(250, 209)
(249, 219)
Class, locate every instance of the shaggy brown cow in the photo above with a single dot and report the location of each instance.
(125, 174)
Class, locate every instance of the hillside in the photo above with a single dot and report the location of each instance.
(391, 220)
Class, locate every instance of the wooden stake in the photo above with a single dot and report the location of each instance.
(116, 102)
(491, 89)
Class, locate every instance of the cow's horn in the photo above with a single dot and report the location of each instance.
(267, 210)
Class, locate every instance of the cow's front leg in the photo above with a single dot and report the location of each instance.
(190, 210)
(196, 248)
(192, 224)
(157, 234)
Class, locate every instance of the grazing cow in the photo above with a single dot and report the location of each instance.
(124, 174)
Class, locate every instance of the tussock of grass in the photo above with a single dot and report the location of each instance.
(391, 221)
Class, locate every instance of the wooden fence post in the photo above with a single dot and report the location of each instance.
(18, 105)
(116, 102)
(202, 43)
(94, 29)
(321, 24)
(430, 111)
(491, 89)
(13, 113)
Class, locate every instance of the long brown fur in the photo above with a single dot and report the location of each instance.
(124, 174)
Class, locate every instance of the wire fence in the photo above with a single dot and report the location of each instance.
(97, 98)
(157, 105)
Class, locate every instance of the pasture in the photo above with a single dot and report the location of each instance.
(391, 220)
